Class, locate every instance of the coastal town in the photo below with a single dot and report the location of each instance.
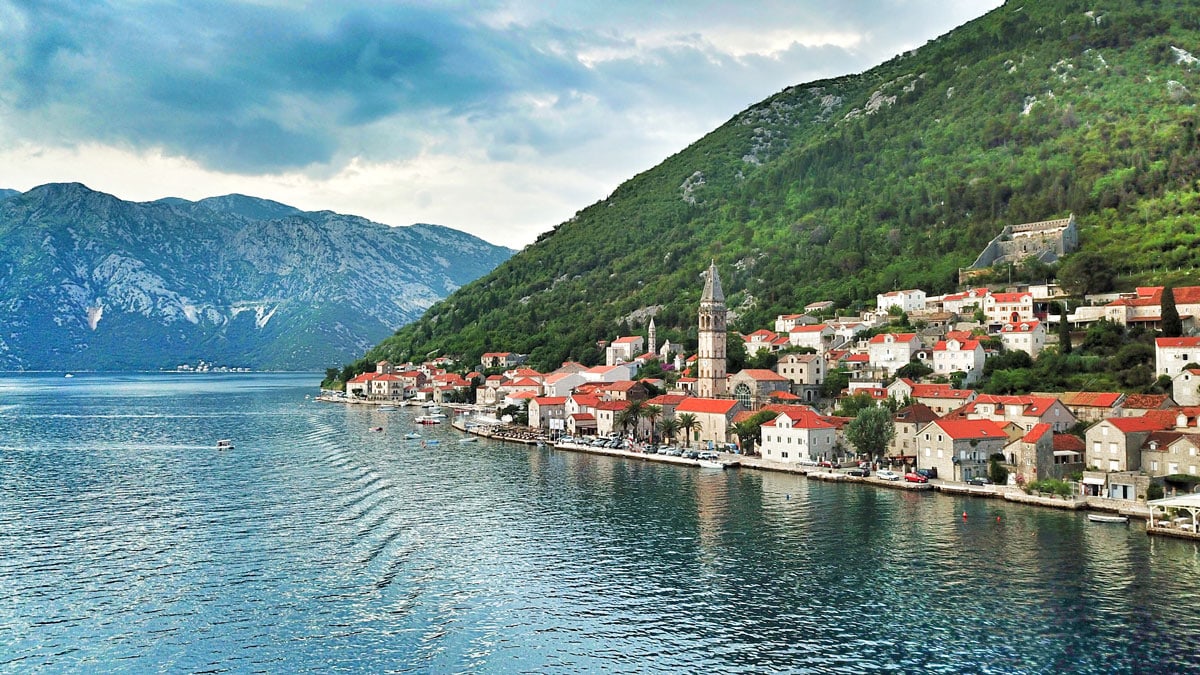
(1106, 451)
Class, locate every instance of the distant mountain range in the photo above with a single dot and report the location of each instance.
(889, 179)
(91, 282)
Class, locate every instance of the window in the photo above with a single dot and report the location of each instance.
(784, 455)
(1154, 465)
(1112, 448)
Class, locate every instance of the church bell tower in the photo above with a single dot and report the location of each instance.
(710, 357)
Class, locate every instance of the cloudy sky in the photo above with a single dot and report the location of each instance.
(497, 117)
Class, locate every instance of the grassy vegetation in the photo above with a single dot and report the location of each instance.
(893, 178)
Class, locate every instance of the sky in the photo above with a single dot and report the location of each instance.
(501, 118)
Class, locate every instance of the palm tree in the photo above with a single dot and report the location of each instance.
(624, 419)
(634, 411)
(669, 428)
(688, 422)
(652, 413)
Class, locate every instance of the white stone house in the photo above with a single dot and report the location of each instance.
(910, 300)
(953, 355)
(798, 435)
(624, 350)
(891, 351)
(1008, 307)
(1172, 354)
(786, 322)
(1024, 336)
(816, 337)
(1185, 387)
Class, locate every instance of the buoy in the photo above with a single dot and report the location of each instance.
(997, 519)
(964, 515)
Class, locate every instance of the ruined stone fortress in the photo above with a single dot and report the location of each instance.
(1046, 240)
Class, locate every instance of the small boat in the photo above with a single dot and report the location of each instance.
(376, 428)
(411, 436)
(427, 419)
(224, 444)
(68, 375)
(387, 408)
(1097, 518)
(468, 439)
(710, 464)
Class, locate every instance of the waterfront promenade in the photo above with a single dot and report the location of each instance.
(530, 436)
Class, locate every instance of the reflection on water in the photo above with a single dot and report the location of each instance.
(316, 545)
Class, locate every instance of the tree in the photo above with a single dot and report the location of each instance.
(914, 370)
(633, 413)
(851, 406)
(669, 428)
(749, 432)
(688, 423)
(1064, 330)
(652, 413)
(1172, 325)
(1086, 272)
(871, 431)
(996, 472)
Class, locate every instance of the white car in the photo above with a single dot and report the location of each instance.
(887, 475)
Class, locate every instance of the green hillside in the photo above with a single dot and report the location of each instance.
(893, 178)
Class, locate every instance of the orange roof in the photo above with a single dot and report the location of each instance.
(627, 340)
(1167, 343)
(1068, 442)
(667, 399)
(720, 406)
(1036, 432)
(1021, 327)
(940, 391)
(612, 405)
(802, 418)
(1146, 423)
(763, 375)
(551, 400)
(898, 337)
(815, 328)
(964, 429)
(1090, 399)
(1144, 401)
(964, 346)
(783, 396)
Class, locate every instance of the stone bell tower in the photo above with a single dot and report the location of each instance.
(710, 356)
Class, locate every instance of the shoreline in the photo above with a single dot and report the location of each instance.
(530, 436)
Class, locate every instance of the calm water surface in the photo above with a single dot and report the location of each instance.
(127, 543)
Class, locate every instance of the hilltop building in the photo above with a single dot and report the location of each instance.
(1047, 240)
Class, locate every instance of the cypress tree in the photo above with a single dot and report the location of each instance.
(1172, 326)
(1064, 330)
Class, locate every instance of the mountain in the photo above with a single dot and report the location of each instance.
(88, 281)
(893, 178)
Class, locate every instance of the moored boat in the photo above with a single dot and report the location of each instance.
(710, 464)
(1098, 518)
(427, 419)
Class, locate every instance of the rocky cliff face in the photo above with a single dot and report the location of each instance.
(88, 281)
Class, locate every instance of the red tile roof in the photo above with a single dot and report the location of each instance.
(1145, 401)
(1134, 424)
(667, 399)
(898, 337)
(966, 429)
(1036, 433)
(720, 406)
(1168, 343)
(763, 375)
(551, 400)
(802, 418)
(1090, 399)
(940, 391)
(1068, 442)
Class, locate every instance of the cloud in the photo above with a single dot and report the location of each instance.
(513, 91)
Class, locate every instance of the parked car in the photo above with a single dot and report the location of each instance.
(928, 473)
(825, 463)
(858, 471)
(980, 480)
(915, 478)
(887, 474)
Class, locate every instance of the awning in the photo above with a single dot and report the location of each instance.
(1093, 481)
(1070, 453)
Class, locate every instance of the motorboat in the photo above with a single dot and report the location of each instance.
(412, 436)
(468, 439)
(224, 444)
(710, 464)
(1098, 518)
(427, 419)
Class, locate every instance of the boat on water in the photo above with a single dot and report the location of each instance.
(224, 444)
(68, 375)
(411, 436)
(386, 408)
(1098, 518)
(710, 464)
(376, 428)
(427, 419)
(468, 439)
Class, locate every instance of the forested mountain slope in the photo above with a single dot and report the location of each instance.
(893, 178)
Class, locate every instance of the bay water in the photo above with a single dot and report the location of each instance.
(128, 543)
